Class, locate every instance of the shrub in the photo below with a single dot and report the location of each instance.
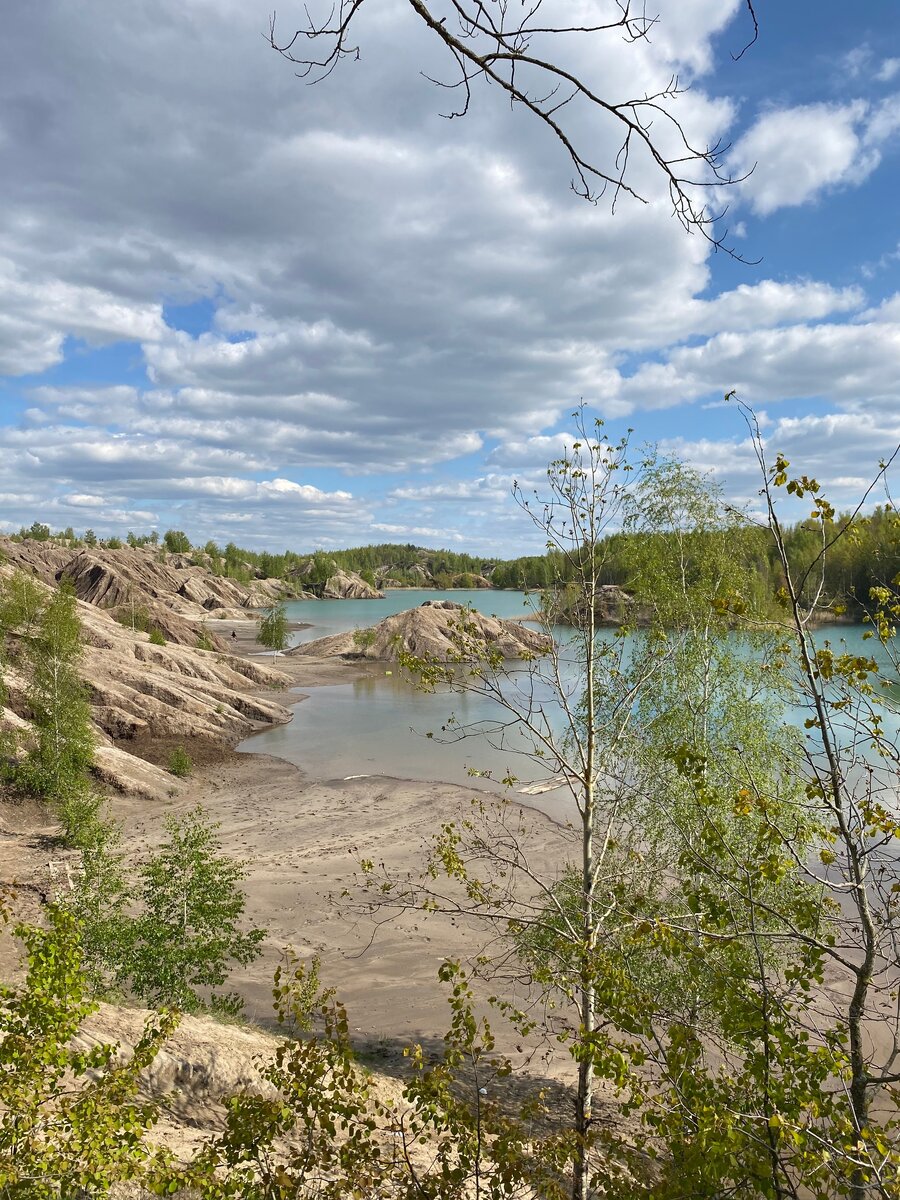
(134, 617)
(364, 638)
(190, 932)
(204, 639)
(157, 637)
(180, 762)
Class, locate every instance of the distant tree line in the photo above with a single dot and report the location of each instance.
(860, 559)
(866, 558)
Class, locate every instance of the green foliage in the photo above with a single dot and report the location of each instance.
(56, 767)
(273, 628)
(204, 639)
(135, 617)
(447, 1138)
(363, 639)
(21, 601)
(180, 762)
(113, 543)
(37, 532)
(71, 1119)
(157, 637)
(188, 932)
(100, 902)
(90, 538)
(176, 541)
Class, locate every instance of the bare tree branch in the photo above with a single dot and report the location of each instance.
(484, 41)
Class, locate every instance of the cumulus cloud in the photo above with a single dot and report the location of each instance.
(842, 450)
(794, 154)
(392, 310)
(858, 365)
(791, 156)
(38, 314)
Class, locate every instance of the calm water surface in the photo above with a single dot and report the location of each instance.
(378, 724)
(337, 616)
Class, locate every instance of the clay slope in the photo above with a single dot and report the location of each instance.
(171, 592)
(137, 689)
(347, 585)
(427, 631)
(340, 584)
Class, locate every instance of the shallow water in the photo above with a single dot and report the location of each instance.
(337, 616)
(378, 724)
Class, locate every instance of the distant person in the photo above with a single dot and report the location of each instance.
(233, 635)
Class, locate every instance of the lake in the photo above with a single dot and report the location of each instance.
(337, 616)
(377, 724)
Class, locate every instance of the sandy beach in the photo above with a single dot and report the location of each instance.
(303, 839)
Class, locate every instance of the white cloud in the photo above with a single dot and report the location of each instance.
(888, 70)
(419, 531)
(884, 121)
(857, 365)
(842, 451)
(794, 154)
(263, 491)
(39, 313)
(387, 292)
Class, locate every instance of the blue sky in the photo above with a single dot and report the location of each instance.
(296, 316)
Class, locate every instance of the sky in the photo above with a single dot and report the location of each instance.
(297, 316)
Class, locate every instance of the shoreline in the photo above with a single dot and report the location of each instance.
(302, 837)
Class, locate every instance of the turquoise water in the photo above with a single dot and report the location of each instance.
(337, 616)
(378, 724)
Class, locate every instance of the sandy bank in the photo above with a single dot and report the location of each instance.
(303, 839)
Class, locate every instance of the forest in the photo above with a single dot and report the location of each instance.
(863, 553)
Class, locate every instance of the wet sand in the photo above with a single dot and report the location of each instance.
(303, 838)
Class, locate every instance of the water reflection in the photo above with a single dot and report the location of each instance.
(379, 724)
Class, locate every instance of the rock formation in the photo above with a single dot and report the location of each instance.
(168, 593)
(138, 689)
(338, 585)
(347, 585)
(612, 606)
(428, 631)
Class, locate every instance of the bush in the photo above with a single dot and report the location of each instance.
(72, 1119)
(189, 933)
(176, 541)
(157, 637)
(364, 638)
(135, 617)
(180, 762)
(204, 639)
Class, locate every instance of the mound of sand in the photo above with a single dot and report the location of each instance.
(137, 689)
(429, 631)
(168, 592)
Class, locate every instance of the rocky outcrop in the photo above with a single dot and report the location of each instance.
(612, 606)
(431, 631)
(347, 585)
(202, 1064)
(144, 587)
(42, 559)
(421, 576)
(138, 689)
(338, 585)
(471, 581)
